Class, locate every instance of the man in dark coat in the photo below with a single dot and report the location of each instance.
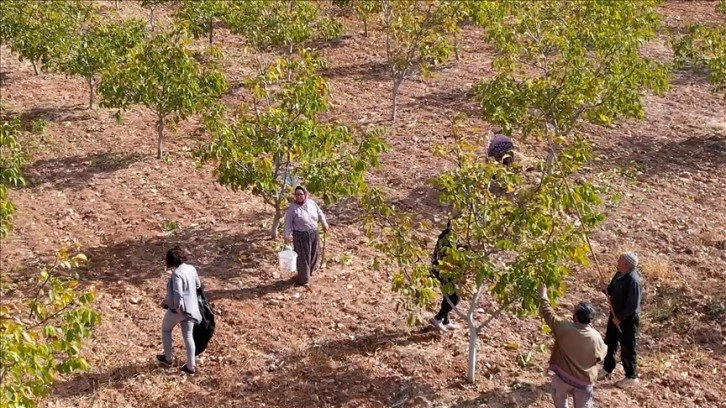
(625, 291)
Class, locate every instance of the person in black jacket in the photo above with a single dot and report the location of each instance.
(625, 292)
(444, 242)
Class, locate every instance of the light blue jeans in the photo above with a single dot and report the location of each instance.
(171, 319)
(583, 398)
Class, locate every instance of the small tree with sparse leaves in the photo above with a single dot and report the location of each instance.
(199, 16)
(283, 134)
(705, 46)
(281, 24)
(12, 158)
(102, 45)
(364, 10)
(561, 63)
(42, 32)
(417, 37)
(520, 233)
(163, 75)
(152, 6)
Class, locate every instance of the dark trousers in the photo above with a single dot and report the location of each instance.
(307, 246)
(626, 339)
(446, 308)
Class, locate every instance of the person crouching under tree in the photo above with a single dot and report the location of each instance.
(501, 148)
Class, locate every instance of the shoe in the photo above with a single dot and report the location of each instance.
(162, 359)
(627, 383)
(437, 324)
(602, 374)
(187, 370)
(451, 326)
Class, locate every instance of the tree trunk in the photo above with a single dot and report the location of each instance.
(276, 222)
(473, 343)
(151, 19)
(160, 140)
(91, 88)
(211, 30)
(116, 4)
(365, 27)
(550, 162)
(396, 86)
(456, 48)
(35, 68)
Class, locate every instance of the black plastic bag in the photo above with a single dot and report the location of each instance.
(204, 330)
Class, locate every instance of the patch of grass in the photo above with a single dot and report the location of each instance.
(38, 126)
(663, 311)
(632, 172)
(347, 258)
(716, 308)
(170, 225)
(659, 269)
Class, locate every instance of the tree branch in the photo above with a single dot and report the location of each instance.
(492, 316)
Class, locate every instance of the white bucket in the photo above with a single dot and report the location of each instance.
(288, 260)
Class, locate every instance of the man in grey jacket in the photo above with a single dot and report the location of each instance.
(625, 291)
(182, 307)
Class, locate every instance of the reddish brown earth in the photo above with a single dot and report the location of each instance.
(341, 343)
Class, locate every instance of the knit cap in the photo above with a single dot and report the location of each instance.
(631, 258)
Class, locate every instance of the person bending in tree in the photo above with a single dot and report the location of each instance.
(444, 242)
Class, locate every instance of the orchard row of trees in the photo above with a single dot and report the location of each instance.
(558, 65)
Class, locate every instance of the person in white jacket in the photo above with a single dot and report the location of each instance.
(182, 307)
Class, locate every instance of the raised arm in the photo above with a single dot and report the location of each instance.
(545, 310)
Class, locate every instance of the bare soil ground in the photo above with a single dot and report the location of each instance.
(341, 342)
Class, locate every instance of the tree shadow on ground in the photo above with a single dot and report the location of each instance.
(690, 75)
(424, 200)
(377, 71)
(75, 172)
(214, 252)
(523, 395)
(454, 100)
(697, 153)
(331, 43)
(344, 212)
(86, 383)
(50, 114)
(252, 292)
(327, 374)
